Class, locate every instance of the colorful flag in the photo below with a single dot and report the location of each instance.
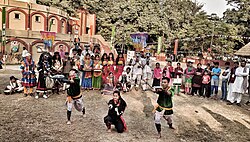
(112, 37)
(175, 46)
(159, 45)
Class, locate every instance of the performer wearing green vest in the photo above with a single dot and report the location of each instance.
(164, 108)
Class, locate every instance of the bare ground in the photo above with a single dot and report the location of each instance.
(196, 119)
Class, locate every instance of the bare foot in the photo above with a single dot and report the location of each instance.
(109, 130)
(84, 116)
(158, 135)
(68, 123)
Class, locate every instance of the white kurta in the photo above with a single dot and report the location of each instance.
(238, 83)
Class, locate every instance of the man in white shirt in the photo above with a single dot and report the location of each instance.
(137, 73)
(240, 83)
(146, 77)
(24, 53)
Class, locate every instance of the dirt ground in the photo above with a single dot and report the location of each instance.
(196, 119)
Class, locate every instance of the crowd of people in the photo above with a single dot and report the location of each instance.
(89, 70)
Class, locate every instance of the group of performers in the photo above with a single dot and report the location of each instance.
(89, 70)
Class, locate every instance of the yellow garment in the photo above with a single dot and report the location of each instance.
(164, 108)
(110, 62)
(25, 90)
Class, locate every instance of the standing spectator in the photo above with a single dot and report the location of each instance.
(178, 74)
(189, 73)
(61, 51)
(87, 69)
(67, 65)
(105, 67)
(157, 75)
(24, 53)
(137, 74)
(231, 80)
(168, 71)
(225, 77)
(197, 80)
(216, 71)
(178, 71)
(146, 77)
(120, 63)
(205, 84)
(240, 84)
(97, 73)
(209, 70)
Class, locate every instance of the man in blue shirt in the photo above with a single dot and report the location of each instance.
(216, 71)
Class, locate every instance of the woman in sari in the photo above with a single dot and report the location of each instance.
(111, 63)
(120, 62)
(97, 75)
(87, 69)
(105, 67)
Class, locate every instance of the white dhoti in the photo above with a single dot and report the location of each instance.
(230, 89)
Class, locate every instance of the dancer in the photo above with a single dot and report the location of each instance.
(165, 105)
(28, 72)
(44, 68)
(74, 97)
(116, 109)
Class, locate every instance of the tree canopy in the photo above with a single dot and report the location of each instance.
(171, 19)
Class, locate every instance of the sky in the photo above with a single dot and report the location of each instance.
(214, 6)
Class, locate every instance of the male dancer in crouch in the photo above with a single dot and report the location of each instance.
(165, 104)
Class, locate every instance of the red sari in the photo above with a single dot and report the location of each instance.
(105, 70)
(120, 67)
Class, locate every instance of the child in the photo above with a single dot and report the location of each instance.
(215, 80)
(109, 85)
(116, 108)
(165, 105)
(225, 78)
(205, 84)
(15, 86)
(74, 97)
(157, 75)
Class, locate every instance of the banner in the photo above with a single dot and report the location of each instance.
(159, 45)
(112, 37)
(139, 40)
(175, 46)
(48, 38)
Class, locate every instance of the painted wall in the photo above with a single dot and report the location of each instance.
(38, 26)
(17, 24)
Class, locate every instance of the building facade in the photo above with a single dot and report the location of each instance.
(25, 19)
